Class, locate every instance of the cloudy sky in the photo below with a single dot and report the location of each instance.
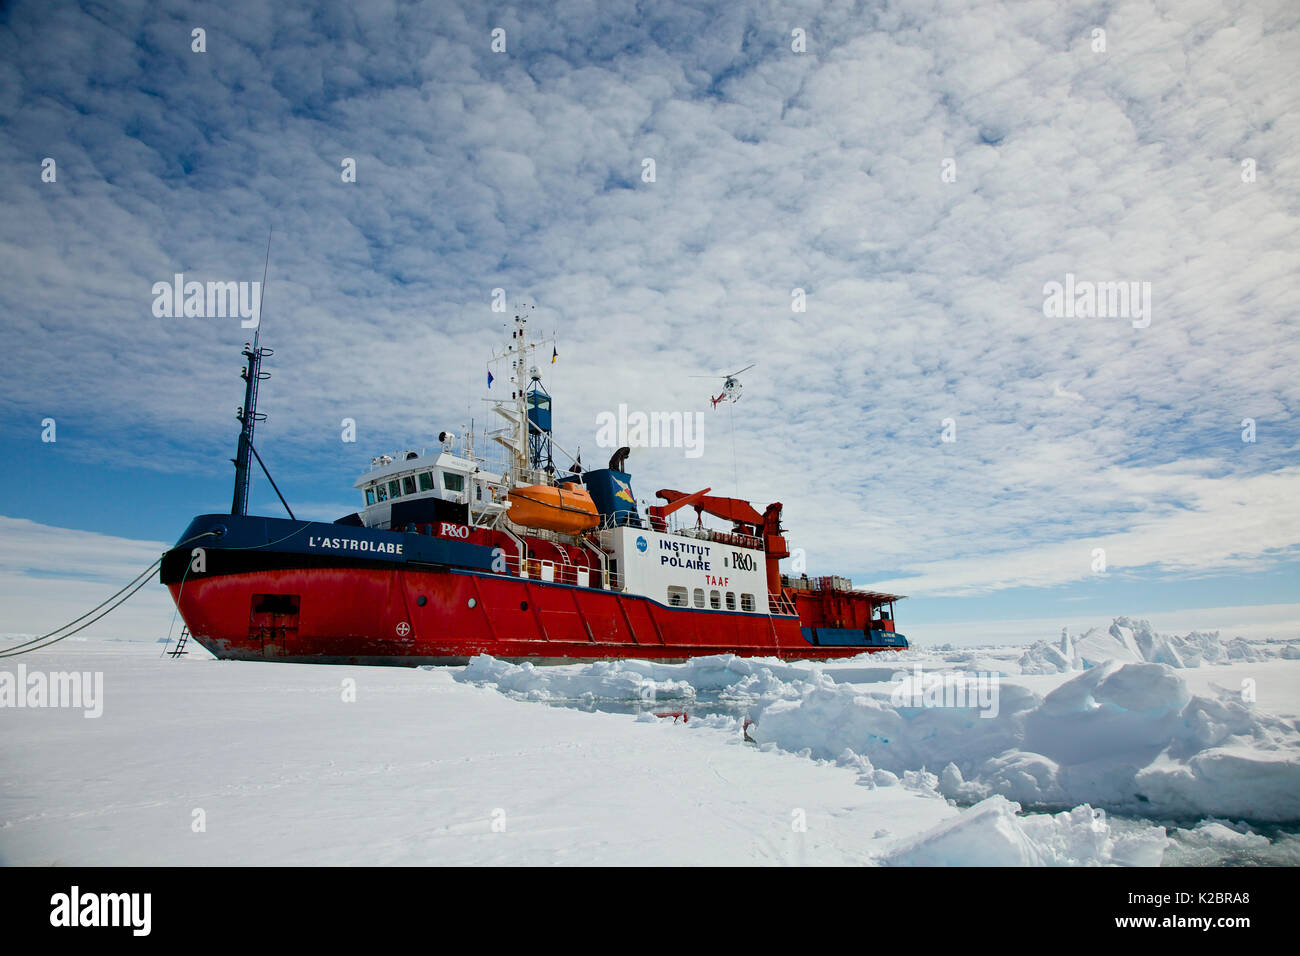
(922, 171)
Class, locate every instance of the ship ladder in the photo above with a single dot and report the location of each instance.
(181, 641)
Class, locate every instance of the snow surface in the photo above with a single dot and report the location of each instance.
(1124, 732)
(462, 765)
(993, 833)
(415, 771)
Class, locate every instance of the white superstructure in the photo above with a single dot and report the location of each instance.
(441, 475)
(682, 570)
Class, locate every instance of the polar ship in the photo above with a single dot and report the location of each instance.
(452, 555)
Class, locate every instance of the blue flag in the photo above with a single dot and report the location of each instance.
(489, 378)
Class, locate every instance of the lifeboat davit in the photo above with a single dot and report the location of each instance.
(568, 508)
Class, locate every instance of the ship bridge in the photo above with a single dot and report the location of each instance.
(420, 488)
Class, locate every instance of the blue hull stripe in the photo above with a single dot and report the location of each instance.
(848, 637)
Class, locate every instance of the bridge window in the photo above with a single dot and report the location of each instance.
(394, 489)
(453, 482)
(747, 602)
(381, 492)
(699, 597)
(370, 496)
(715, 600)
(408, 484)
(731, 600)
(426, 481)
(677, 597)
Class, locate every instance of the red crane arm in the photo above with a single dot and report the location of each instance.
(729, 509)
(681, 501)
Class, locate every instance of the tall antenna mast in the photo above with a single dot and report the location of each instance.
(516, 410)
(248, 416)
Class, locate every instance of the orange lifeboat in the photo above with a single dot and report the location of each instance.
(568, 508)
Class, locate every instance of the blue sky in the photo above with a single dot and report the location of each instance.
(775, 170)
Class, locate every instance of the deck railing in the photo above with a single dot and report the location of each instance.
(556, 572)
(780, 604)
(720, 537)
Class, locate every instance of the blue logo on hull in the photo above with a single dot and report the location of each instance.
(641, 545)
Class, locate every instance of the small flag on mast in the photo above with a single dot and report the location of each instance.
(554, 354)
(489, 378)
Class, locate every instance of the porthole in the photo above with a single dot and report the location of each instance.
(473, 602)
(523, 605)
(422, 600)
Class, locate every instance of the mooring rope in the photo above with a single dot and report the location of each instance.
(142, 578)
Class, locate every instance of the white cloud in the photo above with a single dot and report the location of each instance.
(1223, 524)
(775, 171)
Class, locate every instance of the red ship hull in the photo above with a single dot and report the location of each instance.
(413, 616)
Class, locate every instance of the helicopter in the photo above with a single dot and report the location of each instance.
(731, 387)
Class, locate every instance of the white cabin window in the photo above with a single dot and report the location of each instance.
(370, 496)
(715, 600)
(426, 481)
(747, 602)
(394, 489)
(453, 482)
(408, 485)
(699, 597)
(677, 596)
(381, 492)
(731, 600)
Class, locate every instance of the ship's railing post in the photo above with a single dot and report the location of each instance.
(780, 604)
(565, 573)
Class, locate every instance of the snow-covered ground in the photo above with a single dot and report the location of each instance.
(1084, 743)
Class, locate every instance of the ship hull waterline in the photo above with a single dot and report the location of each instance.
(413, 616)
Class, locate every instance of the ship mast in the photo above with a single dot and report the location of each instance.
(515, 437)
(248, 415)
